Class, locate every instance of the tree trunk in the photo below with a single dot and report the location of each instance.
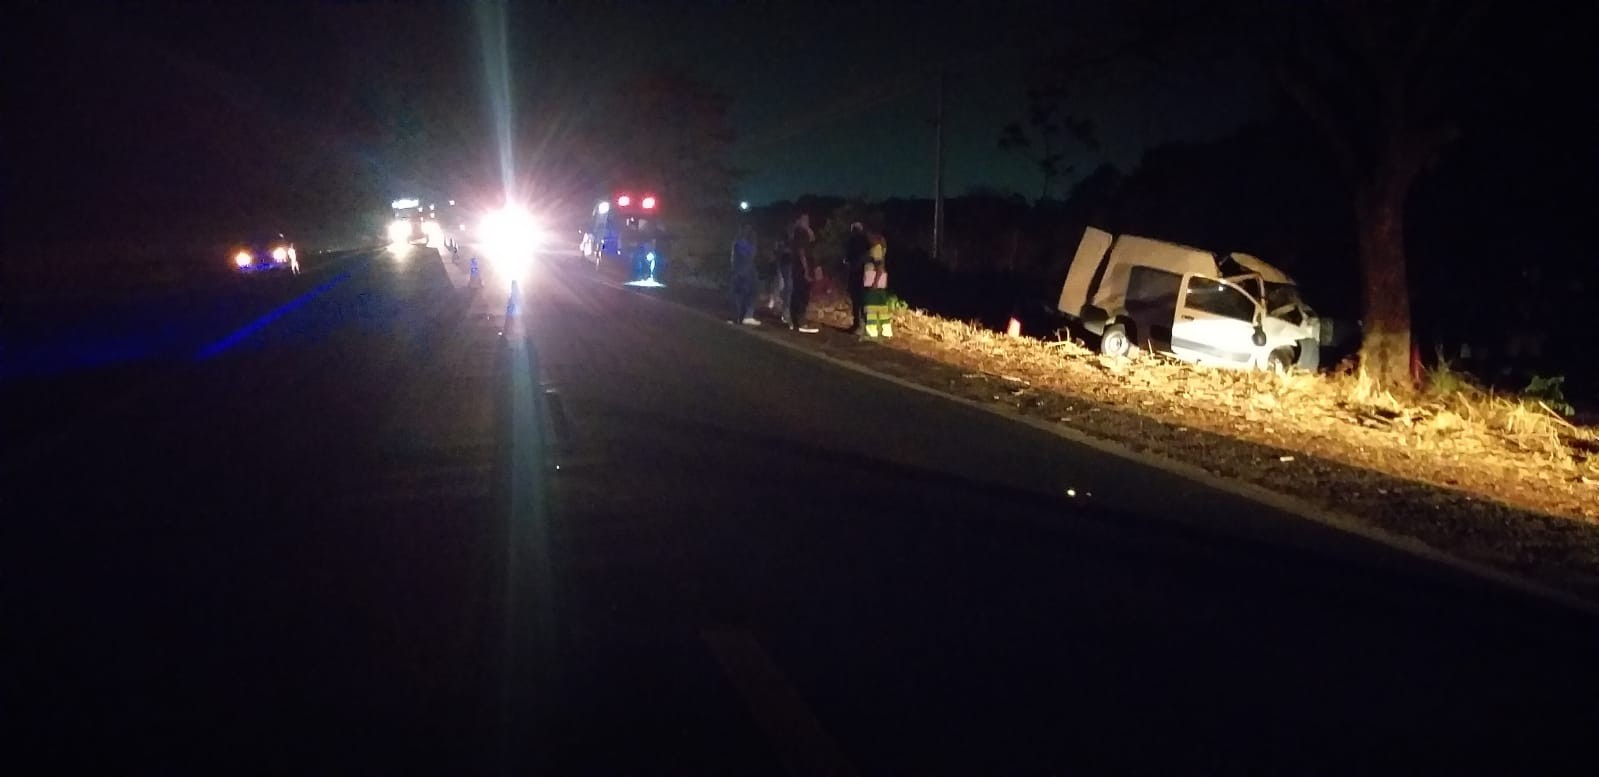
(1380, 224)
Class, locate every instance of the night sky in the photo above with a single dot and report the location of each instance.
(836, 99)
(214, 115)
(203, 111)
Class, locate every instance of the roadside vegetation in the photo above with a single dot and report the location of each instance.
(1453, 433)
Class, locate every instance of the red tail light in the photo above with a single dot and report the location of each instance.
(624, 200)
(648, 203)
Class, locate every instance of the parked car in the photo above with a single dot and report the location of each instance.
(1230, 310)
(267, 251)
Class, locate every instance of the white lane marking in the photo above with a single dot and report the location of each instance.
(529, 652)
(793, 731)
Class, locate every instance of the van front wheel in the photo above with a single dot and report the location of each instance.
(1309, 355)
(1114, 341)
(1281, 359)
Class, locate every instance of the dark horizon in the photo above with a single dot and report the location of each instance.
(132, 97)
(819, 105)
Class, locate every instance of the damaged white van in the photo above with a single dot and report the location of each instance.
(1228, 310)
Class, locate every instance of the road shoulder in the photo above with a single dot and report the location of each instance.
(1544, 557)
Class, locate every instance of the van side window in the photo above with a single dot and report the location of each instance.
(1153, 292)
(1212, 296)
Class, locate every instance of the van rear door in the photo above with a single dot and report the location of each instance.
(1215, 323)
(1078, 290)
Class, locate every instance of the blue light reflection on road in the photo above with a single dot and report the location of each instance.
(265, 320)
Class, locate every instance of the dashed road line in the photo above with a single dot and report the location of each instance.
(794, 732)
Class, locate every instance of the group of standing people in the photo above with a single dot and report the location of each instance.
(865, 274)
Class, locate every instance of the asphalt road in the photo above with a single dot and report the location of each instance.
(375, 535)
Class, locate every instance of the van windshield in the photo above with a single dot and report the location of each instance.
(1280, 295)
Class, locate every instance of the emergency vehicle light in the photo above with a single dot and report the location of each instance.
(624, 200)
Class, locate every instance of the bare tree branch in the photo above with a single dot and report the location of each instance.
(1321, 113)
(1416, 149)
(1153, 35)
(1442, 59)
(1426, 35)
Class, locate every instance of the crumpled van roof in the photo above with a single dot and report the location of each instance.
(1128, 251)
(1261, 267)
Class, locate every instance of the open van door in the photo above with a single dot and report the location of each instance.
(1217, 323)
(1078, 290)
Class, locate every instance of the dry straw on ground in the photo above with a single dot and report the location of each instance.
(1491, 446)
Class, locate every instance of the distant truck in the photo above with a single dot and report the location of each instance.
(418, 223)
(1229, 310)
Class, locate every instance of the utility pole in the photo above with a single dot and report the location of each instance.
(938, 174)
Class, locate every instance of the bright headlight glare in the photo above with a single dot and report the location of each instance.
(509, 237)
(242, 258)
(510, 229)
(280, 254)
(399, 230)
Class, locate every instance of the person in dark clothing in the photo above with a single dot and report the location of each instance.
(647, 262)
(744, 277)
(856, 247)
(798, 275)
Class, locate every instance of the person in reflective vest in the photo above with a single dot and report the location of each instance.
(879, 316)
